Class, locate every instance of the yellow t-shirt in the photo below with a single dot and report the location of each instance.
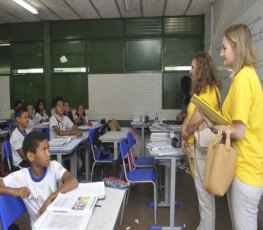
(210, 97)
(244, 102)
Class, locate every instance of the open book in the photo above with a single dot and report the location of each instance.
(67, 212)
(210, 112)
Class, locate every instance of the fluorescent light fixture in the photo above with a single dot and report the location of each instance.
(5, 44)
(26, 6)
(127, 4)
(177, 68)
(70, 70)
(23, 71)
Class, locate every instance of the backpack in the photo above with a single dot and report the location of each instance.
(113, 125)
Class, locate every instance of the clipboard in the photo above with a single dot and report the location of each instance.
(210, 112)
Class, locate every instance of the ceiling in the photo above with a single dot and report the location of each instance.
(10, 12)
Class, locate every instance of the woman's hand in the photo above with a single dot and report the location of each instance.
(208, 122)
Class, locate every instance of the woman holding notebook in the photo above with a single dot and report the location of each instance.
(244, 108)
(206, 83)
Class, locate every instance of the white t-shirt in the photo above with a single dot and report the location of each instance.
(16, 142)
(39, 117)
(40, 188)
(31, 123)
(63, 124)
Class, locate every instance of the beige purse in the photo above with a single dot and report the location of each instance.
(220, 164)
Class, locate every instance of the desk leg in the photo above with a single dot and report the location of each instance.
(115, 163)
(172, 190)
(142, 145)
(59, 158)
(166, 202)
(73, 164)
(87, 162)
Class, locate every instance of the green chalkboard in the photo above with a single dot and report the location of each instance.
(26, 55)
(172, 93)
(28, 88)
(72, 87)
(144, 54)
(4, 60)
(74, 52)
(106, 56)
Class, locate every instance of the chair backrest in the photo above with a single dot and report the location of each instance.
(11, 208)
(124, 150)
(8, 154)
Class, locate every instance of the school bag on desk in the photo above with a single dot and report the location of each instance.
(113, 125)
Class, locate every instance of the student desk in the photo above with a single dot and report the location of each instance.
(114, 137)
(170, 182)
(105, 217)
(142, 126)
(44, 129)
(3, 133)
(71, 149)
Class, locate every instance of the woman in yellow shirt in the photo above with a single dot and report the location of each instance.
(243, 106)
(206, 83)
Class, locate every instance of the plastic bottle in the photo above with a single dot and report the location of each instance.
(156, 117)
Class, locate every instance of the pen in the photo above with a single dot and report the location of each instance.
(97, 205)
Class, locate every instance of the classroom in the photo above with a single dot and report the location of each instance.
(119, 66)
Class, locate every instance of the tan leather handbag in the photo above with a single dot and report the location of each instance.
(220, 164)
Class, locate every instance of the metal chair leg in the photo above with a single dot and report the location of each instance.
(92, 170)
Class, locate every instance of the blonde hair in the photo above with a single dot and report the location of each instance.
(241, 41)
(206, 73)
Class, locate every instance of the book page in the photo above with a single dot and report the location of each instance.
(62, 221)
(73, 203)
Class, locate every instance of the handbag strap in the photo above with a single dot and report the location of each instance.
(218, 99)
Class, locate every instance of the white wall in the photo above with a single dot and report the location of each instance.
(121, 95)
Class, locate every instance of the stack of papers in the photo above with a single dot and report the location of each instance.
(158, 145)
(167, 152)
(160, 136)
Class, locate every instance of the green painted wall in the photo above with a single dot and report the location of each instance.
(102, 46)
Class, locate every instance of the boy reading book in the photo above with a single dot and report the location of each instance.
(38, 185)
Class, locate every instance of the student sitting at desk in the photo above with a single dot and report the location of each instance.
(41, 115)
(17, 138)
(38, 185)
(67, 111)
(80, 117)
(17, 105)
(31, 120)
(61, 125)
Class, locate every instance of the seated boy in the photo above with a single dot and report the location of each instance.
(17, 138)
(61, 125)
(38, 185)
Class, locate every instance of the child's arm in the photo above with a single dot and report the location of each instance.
(69, 182)
(74, 131)
(21, 153)
(22, 192)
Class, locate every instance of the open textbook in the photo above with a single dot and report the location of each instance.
(67, 212)
(210, 112)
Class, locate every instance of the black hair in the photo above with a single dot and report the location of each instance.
(78, 109)
(56, 100)
(69, 114)
(186, 88)
(32, 140)
(19, 112)
(17, 102)
(37, 104)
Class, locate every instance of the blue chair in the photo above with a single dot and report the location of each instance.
(139, 162)
(97, 150)
(11, 208)
(141, 175)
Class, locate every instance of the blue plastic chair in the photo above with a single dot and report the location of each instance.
(141, 175)
(140, 162)
(8, 154)
(96, 150)
(11, 208)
